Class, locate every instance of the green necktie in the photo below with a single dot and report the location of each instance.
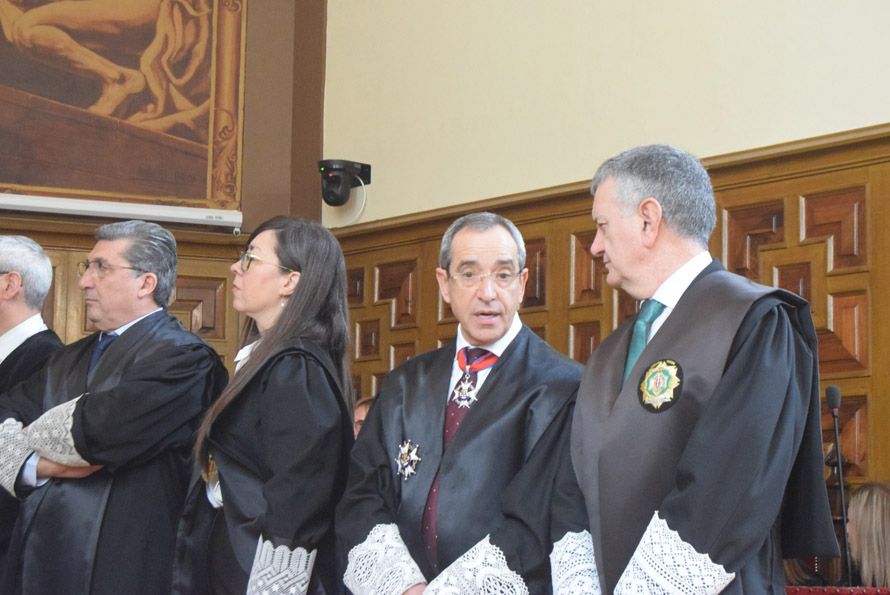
(648, 312)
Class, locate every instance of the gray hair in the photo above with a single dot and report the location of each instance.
(152, 250)
(676, 179)
(26, 257)
(479, 222)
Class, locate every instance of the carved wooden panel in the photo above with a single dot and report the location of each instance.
(397, 282)
(399, 354)
(355, 286)
(795, 277)
(200, 305)
(584, 337)
(536, 262)
(626, 307)
(367, 333)
(839, 217)
(747, 229)
(587, 271)
(843, 347)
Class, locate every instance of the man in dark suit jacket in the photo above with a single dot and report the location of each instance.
(25, 341)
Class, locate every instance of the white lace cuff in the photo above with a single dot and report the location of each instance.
(50, 435)
(664, 563)
(572, 566)
(382, 564)
(280, 570)
(481, 570)
(13, 453)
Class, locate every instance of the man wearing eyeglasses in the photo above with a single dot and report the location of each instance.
(25, 341)
(452, 429)
(97, 443)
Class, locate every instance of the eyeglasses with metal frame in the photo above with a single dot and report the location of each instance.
(100, 268)
(470, 279)
(246, 258)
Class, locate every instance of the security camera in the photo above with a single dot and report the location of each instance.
(339, 176)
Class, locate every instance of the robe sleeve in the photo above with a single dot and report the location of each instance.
(153, 408)
(378, 559)
(730, 480)
(542, 504)
(300, 440)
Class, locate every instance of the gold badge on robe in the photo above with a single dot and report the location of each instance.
(407, 459)
(661, 385)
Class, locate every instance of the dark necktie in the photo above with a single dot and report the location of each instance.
(471, 361)
(105, 339)
(649, 311)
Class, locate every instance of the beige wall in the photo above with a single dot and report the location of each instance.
(458, 101)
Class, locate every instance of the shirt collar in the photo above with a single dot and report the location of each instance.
(11, 339)
(244, 354)
(120, 330)
(673, 288)
(499, 346)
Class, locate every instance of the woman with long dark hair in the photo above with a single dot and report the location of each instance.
(274, 448)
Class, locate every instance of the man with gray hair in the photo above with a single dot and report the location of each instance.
(452, 429)
(97, 443)
(25, 341)
(696, 439)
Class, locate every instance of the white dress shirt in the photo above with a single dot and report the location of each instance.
(673, 288)
(497, 348)
(14, 337)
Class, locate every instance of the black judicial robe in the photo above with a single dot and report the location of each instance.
(734, 465)
(113, 532)
(523, 409)
(27, 358)
(24, 361)
(281, 448)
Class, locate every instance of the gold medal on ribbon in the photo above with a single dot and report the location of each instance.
(661, 385)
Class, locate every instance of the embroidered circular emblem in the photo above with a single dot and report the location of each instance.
(661, 385)
(407, 459)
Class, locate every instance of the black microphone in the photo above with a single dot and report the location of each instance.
(833, 400)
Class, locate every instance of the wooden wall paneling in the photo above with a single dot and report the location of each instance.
(202, 300)
(878, 215)
(808, 216)
(833, 203)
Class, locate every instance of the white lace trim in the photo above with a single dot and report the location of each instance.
(280, 570)
(13, 453)
(481, 570)
(664, 563)
(50, 435)
(573, 567)
(381, 564)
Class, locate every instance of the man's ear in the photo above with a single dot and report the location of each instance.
(444, 288)
(148, 286)
(10, 284)
(651, 214)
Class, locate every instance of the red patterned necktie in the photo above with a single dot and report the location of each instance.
(471, 360)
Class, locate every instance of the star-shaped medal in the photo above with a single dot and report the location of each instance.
(407, 459)
(465, 393)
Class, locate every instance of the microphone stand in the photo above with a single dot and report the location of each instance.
(840, 482)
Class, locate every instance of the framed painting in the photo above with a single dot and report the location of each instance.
(123, 100)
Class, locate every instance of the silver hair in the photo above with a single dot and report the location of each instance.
(152, 250)
(676, 179)
(26, 257)
(479, 222)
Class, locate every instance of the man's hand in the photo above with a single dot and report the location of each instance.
(48, 468)
(416, 589)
